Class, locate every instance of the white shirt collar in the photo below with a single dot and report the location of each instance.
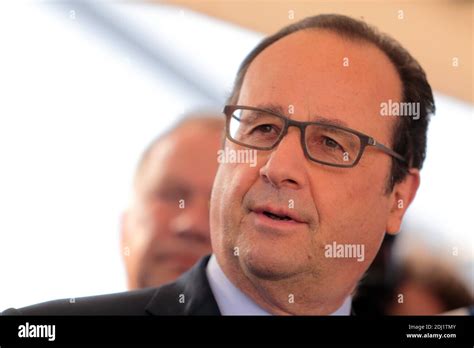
(232, 301)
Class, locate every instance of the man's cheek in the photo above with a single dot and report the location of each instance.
(362, 231)
(351, 216)
(237, 178)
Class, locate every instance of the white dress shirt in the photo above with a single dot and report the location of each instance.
(232, 301)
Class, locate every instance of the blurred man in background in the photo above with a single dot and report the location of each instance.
(408, 278)
(426, 284)
(165, 230)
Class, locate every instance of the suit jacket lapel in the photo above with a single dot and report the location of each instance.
(190, 294)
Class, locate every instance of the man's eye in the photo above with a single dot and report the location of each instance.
(331, 143)
(172, 195)
(264, 128)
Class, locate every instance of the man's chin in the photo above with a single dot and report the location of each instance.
(270, 258)
(270, 266)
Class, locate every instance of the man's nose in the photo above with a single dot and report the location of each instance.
(285, 166)
(192, 223)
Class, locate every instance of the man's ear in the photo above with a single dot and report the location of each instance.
(400, 198)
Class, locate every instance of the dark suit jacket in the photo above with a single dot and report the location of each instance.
(165, 300)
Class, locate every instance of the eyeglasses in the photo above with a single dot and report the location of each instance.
(323, 143)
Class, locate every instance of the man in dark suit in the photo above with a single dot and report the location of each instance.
(315, 173)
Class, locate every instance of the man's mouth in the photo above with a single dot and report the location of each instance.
(276, 216)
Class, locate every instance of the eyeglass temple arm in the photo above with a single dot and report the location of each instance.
(382, 147)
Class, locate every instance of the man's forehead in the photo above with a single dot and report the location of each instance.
(322, 46)
(176, 146)
(320, 59)
(320, 74)
(175, 153)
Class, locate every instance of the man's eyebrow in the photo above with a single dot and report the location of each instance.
(278, 109)
(314, 118)
(329, 121)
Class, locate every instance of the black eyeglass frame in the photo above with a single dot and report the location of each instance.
(365, 140)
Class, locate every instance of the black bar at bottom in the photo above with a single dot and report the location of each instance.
(427, 331)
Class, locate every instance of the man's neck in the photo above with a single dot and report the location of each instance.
(238, 295)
